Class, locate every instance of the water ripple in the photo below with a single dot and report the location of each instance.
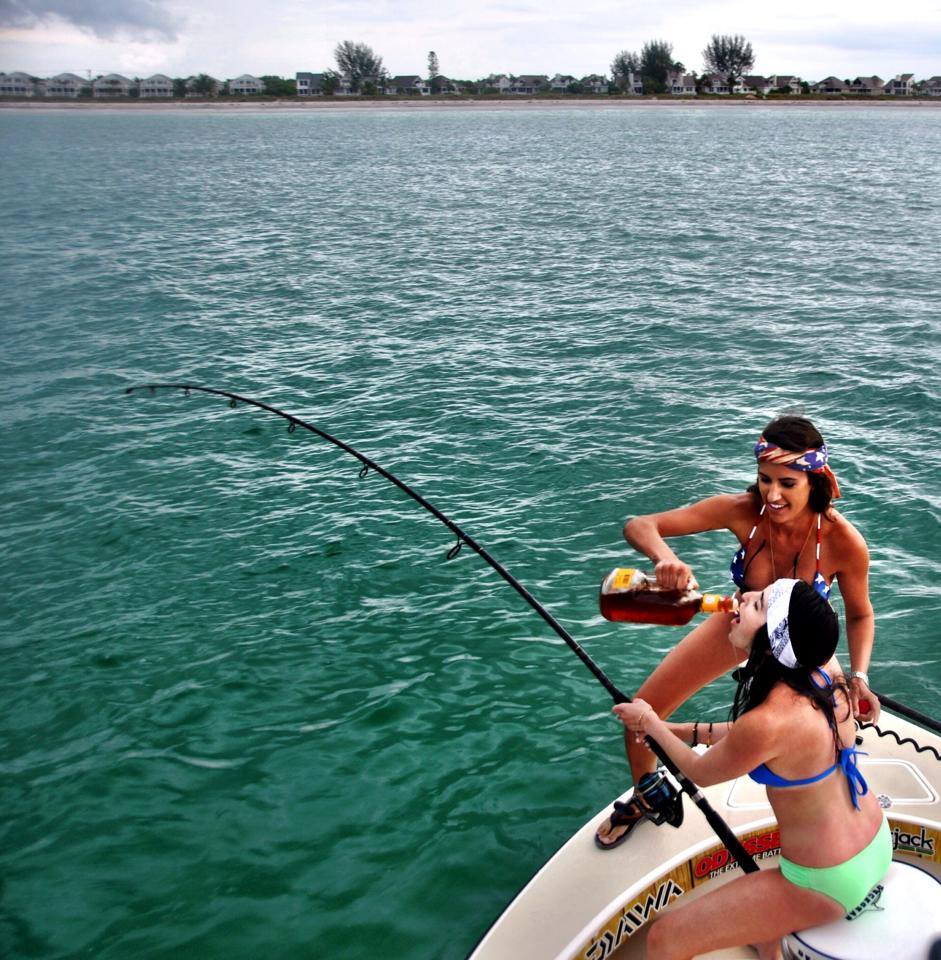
(243, 688)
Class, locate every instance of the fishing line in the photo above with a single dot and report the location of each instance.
(367, 464)
(721, 828)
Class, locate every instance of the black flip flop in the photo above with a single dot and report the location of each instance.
(624, 815)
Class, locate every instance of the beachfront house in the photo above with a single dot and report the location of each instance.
(561, 82)
(594, 83)
(930, 87)
(758, 84)
(681, 84)
(632, 84)
(440, 85)
(867, 87)
(65, 85)
(159, 85)
(111, 86)
(406, 85)
(499, 82)
(786, 82)
(903, 85)
(717, 83)
(246, 86)
(831, 87)
(527, 85)
(311, 85)
(19, 84)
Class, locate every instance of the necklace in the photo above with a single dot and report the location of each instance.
(797, 556)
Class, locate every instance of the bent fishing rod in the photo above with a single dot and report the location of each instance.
(721, 828)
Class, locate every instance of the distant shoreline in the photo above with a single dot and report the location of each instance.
(459, 103)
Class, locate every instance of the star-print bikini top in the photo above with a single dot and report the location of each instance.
(738, 567)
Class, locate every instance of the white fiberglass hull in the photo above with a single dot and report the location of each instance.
(589, 904)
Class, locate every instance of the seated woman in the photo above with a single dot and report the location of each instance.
(785, 526)
(792, 730)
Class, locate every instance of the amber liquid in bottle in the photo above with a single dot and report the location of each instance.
(632, 596)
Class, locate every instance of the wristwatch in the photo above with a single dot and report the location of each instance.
(860, 675)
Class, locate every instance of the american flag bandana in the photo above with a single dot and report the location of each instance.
(813, 460)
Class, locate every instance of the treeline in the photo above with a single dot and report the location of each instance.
(727, 55)
(358, 69)
(363, 70)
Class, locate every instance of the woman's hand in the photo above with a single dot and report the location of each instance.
(635, 716)
(866, 706)
(673, 574)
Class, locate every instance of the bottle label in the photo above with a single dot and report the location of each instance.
(627, 578)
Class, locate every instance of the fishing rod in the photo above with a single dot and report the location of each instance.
(910, 712)
(721, 828)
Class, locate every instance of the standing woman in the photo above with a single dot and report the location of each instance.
(786, 527)
(792, 730)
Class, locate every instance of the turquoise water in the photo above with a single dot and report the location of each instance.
(249, 708)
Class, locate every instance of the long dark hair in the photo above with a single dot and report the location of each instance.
(815, 631)
(798, 434)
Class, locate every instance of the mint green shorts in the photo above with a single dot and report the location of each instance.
(849, 882)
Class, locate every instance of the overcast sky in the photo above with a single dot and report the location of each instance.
(472, 39)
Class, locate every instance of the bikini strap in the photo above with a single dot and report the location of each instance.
(817, 567)
(761, 513)
(855, 780)
(749, 539)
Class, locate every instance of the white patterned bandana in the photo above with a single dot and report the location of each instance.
(778, 603)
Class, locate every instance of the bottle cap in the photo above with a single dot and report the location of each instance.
(715, 603)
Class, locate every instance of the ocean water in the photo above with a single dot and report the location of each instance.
(250, 710)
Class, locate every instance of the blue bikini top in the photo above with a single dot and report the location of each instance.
(846, 762)
(738, 567)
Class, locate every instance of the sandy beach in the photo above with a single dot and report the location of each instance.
(456, 103)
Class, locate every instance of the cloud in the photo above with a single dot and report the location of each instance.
(898, 39)
(141, 19)
(229, 37)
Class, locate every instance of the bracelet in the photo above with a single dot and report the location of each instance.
(860, 675)
(696, 734)
(709, 735)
